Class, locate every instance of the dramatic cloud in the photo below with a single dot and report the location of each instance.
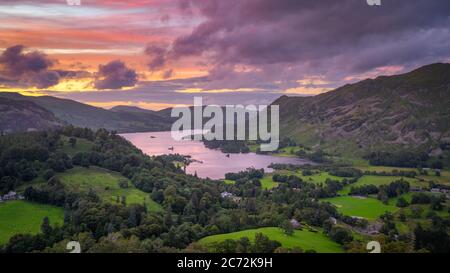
(281, 39)
(115, 75)
(260, 49)
(157, 56)
(27, 69)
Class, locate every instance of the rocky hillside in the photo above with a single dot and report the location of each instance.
(410, 110)
(22, 116)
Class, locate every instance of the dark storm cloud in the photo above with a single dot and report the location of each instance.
(304, 36)
(157, 57)
(115, 75)
(28, 69)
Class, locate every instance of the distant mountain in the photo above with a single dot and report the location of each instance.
(126, 108)
(411, 110)
(22, 116)
(82, 115)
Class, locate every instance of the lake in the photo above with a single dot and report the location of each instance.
(211, 163)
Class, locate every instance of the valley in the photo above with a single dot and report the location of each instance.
(342, 176)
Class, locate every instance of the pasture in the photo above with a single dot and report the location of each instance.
(106, 185)
(381, 180)
(26, 218)
(304, 239)
(369, 208)
(267, 183)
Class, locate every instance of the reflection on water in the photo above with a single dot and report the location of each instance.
(212, 163)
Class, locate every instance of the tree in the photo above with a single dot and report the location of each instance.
(264, 245)
(132, 218)
(416, 212)
(123, 184)
(49, 174)
(168, 221)
(250, 206)
(402, 217)
(340, 235)
(7, 184)
(72, 141)
(434, 239)
(437, 165)
(243, 245)
(436, 203)
(45, 227)
(287, 227)
(401, 202)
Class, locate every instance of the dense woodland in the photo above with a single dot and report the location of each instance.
(192, 207)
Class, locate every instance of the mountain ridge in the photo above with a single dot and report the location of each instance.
(83, 115)
(407, 110)
(410, 109)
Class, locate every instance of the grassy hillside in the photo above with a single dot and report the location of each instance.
(26, 217)
(82, 145)
(307, 240)
(106, 184)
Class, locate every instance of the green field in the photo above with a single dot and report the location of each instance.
(267, 183)
(82, 145)
(229, 182)
(406, 196)
(106, 184)
(369, 208)
(319, 177)
(307, 240)
(26, 217)
(444, 178)
(384, 168)
(288, 151)
(381, 180)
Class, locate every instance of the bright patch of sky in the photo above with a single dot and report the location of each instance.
(58, 10)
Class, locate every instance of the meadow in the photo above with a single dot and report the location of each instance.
(369, 208)
(267, 183)
(318, 178)
(229, 182)
(82, 145)
(26, 218)
(106, 184)
(307, 240)
(382, 180)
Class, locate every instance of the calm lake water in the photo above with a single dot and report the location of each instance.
(212, 163)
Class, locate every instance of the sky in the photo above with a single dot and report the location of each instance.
(160, 53)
